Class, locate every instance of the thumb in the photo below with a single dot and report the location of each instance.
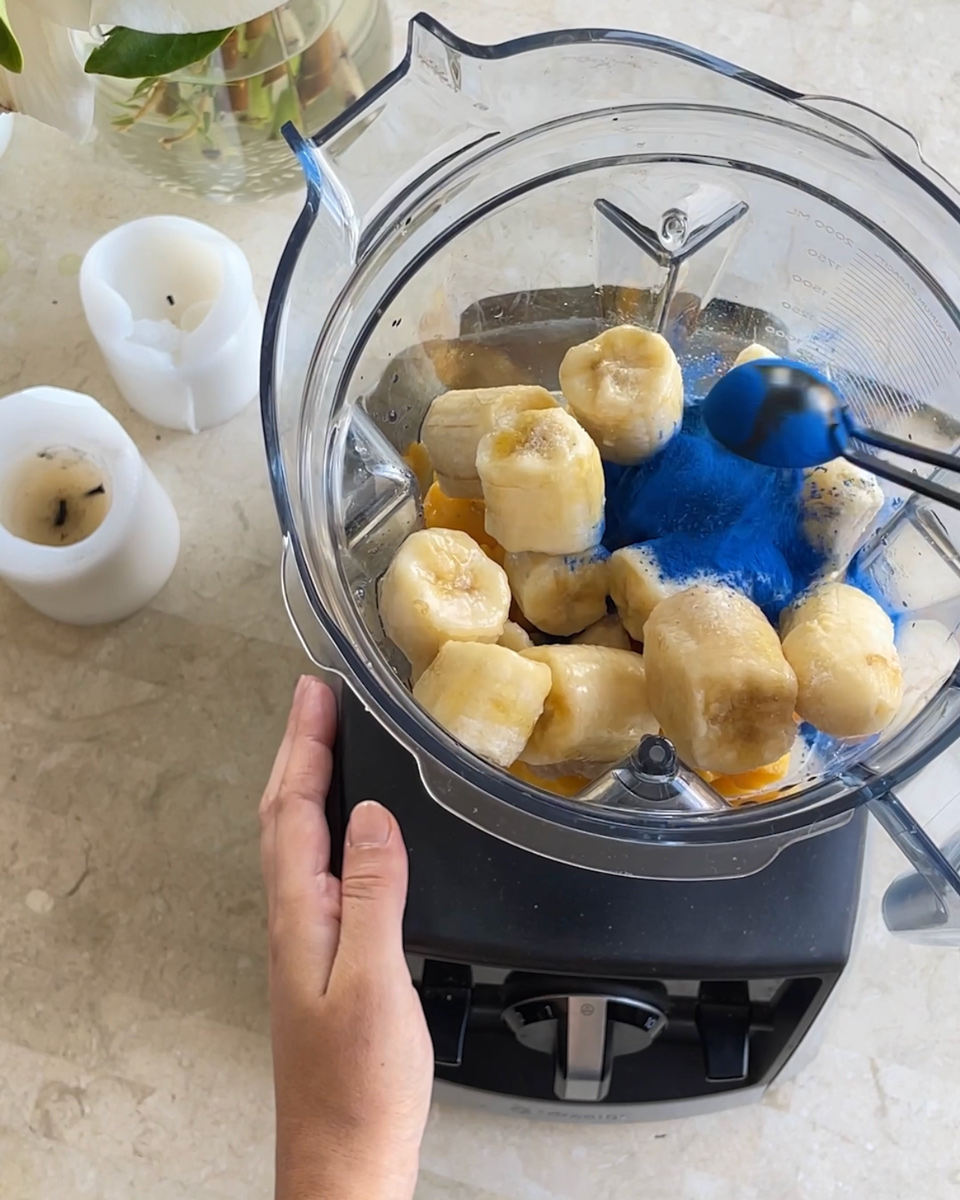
(373, 892)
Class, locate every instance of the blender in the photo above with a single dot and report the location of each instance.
(646, 947)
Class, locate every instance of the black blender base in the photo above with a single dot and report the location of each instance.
(537, 977)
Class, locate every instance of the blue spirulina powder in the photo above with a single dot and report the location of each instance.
(708, 512)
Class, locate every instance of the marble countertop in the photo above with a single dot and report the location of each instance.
(133, 1023)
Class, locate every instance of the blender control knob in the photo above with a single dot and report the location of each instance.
(584, 1033)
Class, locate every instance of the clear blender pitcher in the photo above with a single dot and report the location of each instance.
(486, 207)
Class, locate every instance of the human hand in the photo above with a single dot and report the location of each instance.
(353, 1062)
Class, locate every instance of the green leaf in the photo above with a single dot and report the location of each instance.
(128, 54)
(144, 86)
(11, 55)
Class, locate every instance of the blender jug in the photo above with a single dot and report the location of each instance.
(486, 207)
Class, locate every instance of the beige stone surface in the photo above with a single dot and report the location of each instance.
(133, 1052)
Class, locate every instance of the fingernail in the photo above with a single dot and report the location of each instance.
(370, 825)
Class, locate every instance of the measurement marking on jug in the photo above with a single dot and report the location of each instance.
(823, 226)
(862, 318)
(885, 275)
(808, 283)
(888, 336)
(800, 312)
(894, 332)
(824, 259)
(930, 363)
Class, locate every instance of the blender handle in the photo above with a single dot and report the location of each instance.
(310, 633)
(370, 160)
(922, 905)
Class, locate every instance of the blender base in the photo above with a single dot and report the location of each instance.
(567, 994)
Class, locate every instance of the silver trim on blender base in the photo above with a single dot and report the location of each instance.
(593, 1114)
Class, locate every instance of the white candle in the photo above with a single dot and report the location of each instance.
(172, 307)
(6, 131)
(87, 534)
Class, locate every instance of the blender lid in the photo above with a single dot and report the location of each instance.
(460, 214)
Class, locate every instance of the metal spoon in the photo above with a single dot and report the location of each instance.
(785, 414)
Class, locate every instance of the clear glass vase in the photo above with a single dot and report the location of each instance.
(213, 129)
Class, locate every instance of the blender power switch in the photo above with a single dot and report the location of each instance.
(445, 990)
(723, 1022)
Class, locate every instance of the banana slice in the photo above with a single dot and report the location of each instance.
(597, 709)
(560, 594)
(840, 643)
(542, 484)
(515, 637)
(717, 680)
(637, 585)
(644, 575)
(626, 389)
(839, 502)
(456, 421)
(608, 631)
(486, 696)
(753, 352)
(441, 587)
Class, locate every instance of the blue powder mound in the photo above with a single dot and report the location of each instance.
(693, 486)
(749, 563)
(696, 488)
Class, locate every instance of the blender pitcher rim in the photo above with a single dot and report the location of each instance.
(790, 815)
(630, 37)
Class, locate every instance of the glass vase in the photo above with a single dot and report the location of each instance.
(213, 129)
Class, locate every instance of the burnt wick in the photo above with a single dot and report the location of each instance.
(61, 517)
(171, 301)
(99, 490)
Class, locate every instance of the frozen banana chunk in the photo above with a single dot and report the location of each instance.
(597, 709)
(542, 484)
(560, 593)
(515, 637)
(608, 631)
(441, 587)
(456, 421)
(752, 353)
(839, 502)
(488, 697)
(637, 585)
(839, 642)
(717, 680)
(643, 575)
(626, 389)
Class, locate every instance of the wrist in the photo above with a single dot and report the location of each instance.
(316, 1172)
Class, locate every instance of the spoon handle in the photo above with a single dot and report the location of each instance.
(916, 483)
(924, 454)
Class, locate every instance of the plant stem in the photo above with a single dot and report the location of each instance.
(152, 101)
(259, 27)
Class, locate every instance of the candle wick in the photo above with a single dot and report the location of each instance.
(61, 517)
(170, 301)
(96, 491)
